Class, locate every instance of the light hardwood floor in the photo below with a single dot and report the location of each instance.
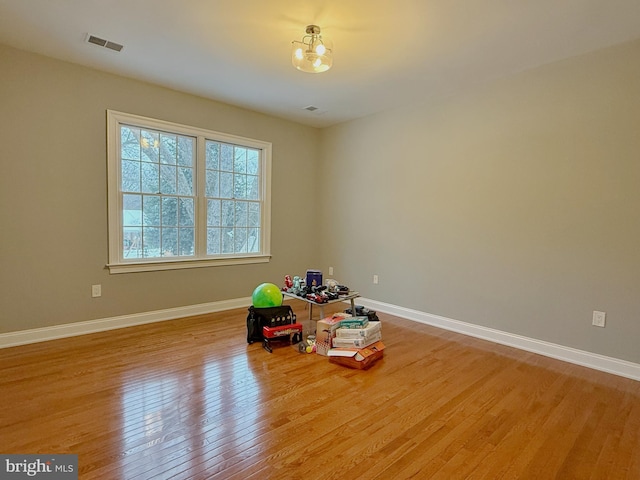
(189, 399)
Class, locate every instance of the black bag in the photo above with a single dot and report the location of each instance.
(267, 316)
(362, 311)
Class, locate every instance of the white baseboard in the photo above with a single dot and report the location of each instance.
(580, 357)
(13, 339)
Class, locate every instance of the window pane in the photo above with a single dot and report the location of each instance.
(150, 178)
(185, 181)
(253, 188)
(226, 185)
(169, 211)
(129, 144)
(168, 179)
(150, 242)
(185, 151)
(213, 213)
(253, 163)
(227, 240)
(150, 143)
(239, 186)
(131, 210)
(130, 176)
(228, 211)
(213, 241)
(151, 210)
(226, 157)
(240, 160)
(187, 241)
(253, 240)
(168, 148)
(254, 215)
(212, 189)
(241, 214)
(169, 242)
(186, 212)
(240, 240)
(213, 155)
(132, 243)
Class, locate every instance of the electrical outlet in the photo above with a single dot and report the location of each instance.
(96, 291)
(330, 270)
(375, 279)
(598, 318)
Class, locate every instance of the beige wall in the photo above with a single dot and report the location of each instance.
(514, 206)
(53, 210)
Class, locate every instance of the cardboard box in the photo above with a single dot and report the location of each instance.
(367, 331)
(359, 342)
(326, 331)
(360, 358)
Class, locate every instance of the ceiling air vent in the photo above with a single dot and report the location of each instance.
(311, 108)
(101, 42)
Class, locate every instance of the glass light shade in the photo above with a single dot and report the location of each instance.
(312, 55)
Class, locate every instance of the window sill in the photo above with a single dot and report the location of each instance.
(152, 266)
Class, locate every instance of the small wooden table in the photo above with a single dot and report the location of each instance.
(351, 296)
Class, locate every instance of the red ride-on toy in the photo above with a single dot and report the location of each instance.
(292, 333)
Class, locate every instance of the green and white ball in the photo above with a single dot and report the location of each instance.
(267, 295)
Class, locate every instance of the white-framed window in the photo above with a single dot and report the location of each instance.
(182, 197)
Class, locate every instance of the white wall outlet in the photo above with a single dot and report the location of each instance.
(330, 270)
(96, 291)
(375, 279)
(599, 318)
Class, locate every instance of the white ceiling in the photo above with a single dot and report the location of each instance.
(387, 52)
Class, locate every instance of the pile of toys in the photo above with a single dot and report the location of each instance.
(312, 288)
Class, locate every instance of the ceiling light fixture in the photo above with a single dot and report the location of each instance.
(312, 54)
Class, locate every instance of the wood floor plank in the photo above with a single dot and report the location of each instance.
(190, 399)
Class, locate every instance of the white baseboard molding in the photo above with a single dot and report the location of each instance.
(13, 339)
(580, 357)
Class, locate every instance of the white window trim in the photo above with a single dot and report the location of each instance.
(117, 264)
